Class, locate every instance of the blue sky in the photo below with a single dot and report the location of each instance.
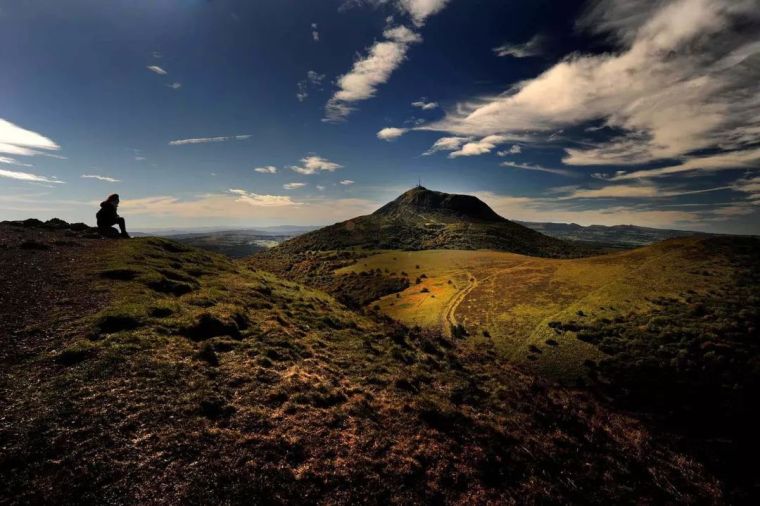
(240, 113)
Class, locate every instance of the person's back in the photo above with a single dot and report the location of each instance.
(107, 217)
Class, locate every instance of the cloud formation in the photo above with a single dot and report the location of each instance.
(347, 182)
(313, 80)
(269, 169)
(482, 146)
(315, 164)
(26, 176)
(293, 186)
(686, 77)
(15, 140)
(314, 32)
(256, 200)
(537, 168)
(391, 133)
(425, 106)
(420, 10)
(370, 71)
(204, 140)
(156, 69)
(100, 178)
(534, 47)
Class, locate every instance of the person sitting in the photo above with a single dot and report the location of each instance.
(108, 217)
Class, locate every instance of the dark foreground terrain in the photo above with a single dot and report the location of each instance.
(148, 372)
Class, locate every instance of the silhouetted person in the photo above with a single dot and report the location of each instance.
(108, 217)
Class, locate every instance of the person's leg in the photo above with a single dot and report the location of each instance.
(122, 227)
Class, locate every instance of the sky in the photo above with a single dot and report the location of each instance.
(254, 113)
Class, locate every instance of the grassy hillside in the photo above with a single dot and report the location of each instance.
(148, 372)
(668, 330)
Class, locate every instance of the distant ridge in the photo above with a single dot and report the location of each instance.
(423, 219)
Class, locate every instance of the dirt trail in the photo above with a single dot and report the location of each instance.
(449, 318)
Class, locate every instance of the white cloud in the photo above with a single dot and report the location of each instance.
(347, 182)
(204, 140)
(514, 150)
(475, 148)
(269, 169)
(293, 186)
(685, 78)
(26, 176)
(534, 47)
(15, 140)
(391, 133)
(158, 70)
(314, 164)
(425, 106)
(369, 72)
(320, 187)
(100, 178)
(537, 168)
(315, 32)
(13, 161)
(447, 144)
(420, 10)
(749, 158)
(256, 200)
(175, 85)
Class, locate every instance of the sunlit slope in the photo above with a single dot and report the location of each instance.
(510, 300)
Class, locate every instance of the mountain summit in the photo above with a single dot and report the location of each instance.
(420, 200)
(423, 219)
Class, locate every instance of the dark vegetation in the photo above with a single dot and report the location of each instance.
(252, 389)
(693, 366)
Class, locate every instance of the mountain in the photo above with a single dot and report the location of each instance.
(146, 371)
(421, 219)
(624, 236)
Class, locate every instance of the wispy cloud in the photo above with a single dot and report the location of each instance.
(370, 71)
(347, 182)
(447, 144)
(293, 186)
(269, 169)
(537, 168)
(425, 106)
(534, 47)
(175, 85)
(479, 147)
(313, 80)
(514, 150)
(315, 32)
(100, 178)
(12, 161)
(26, 176)
(204, 140)
(749, 158)
(156, 69)
(315, 164)
(256, 200)
(15, 140)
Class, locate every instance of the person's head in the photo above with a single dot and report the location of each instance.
(113, 199)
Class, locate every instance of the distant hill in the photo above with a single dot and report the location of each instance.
(617, 235)
(421, 219)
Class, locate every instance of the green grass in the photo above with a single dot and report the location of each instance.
(514, 298)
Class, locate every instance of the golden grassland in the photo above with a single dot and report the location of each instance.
(509, 300)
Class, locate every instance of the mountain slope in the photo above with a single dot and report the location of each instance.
(149, 372)
(422, 219)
